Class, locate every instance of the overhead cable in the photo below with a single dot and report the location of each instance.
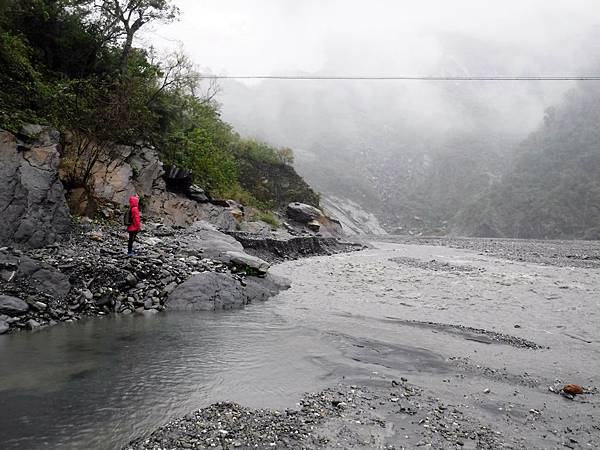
(402, 78)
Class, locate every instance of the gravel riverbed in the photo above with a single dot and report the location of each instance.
(440, 344)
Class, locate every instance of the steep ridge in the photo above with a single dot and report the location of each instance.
(552, 189)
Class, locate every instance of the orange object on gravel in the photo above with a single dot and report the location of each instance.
(572, 389)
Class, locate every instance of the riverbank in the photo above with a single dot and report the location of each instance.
(439, 347)
(90, 275)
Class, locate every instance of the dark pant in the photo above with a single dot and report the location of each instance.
(132, 235)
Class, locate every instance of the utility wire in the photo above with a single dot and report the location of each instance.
(401, 78)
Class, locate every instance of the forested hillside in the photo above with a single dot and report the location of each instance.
(73, 64)
(552, 190)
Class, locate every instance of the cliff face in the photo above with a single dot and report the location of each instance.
(32, 198)
(275, 184)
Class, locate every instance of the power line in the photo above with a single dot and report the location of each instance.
(401, 78)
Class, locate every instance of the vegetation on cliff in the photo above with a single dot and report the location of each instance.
(72, 64)
(552, 188)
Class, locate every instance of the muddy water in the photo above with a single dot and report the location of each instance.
(455, 322)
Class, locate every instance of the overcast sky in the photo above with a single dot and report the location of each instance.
(376, 37)
(385, 38)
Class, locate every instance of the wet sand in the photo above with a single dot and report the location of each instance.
(441, 346)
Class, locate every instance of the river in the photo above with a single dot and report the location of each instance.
(429, 313)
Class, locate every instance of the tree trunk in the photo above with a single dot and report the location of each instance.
(126, 51)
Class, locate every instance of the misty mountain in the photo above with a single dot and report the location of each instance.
(414, 154)
(552, 188)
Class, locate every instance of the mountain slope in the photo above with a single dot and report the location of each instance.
(552, 189)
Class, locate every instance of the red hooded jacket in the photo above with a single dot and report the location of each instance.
(135, 215)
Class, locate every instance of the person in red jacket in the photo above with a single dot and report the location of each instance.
(135, 226)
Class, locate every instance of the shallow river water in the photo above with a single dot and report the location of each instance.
(389, 310)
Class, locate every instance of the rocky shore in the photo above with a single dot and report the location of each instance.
(379, 413)
(430, 375)
(89, 274)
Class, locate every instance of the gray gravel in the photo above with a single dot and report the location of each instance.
(443, 344)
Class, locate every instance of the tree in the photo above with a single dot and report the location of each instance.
(122, 19)
(286, 155)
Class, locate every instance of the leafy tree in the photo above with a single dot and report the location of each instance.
(124, 18)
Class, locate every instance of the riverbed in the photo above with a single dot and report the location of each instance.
(494, 337)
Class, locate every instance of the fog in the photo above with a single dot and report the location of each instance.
(348, 125)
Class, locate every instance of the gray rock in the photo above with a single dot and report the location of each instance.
(303, 213)
(45, 278)
(32, 198)
(39, 306)
(314, 225)
(210, 291)
(243, 260)
(196, 193)
(131, 280)
(32, 324)
(205, 241)
(3, 327)
(12, 305)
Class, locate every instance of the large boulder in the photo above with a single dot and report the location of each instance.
(204, 240)
(303, 213)
(41, 277)
(211, 291)
(12, 306)
(178, 179)
(32, 198)
(245, 260)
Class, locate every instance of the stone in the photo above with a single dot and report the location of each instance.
(39, 306)
(314, 225)
(244, 260)
(46, 278)
(303, 213)
(32, 324)
(12, 306)
(197, 194)
(3, 327)
(178, 179)
(32, 198)
(131, 280)
(210, 291)
(97, 236)
(572, 389)
(204, 240)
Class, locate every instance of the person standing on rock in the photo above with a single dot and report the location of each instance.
(134, 223)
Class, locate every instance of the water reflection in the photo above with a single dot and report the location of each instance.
(97, 383)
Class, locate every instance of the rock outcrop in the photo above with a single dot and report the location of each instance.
(353, 217)
(203, 240)
(313, 219)
(303, 213)
(32, 198)
(166, 193)
(212, 291)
